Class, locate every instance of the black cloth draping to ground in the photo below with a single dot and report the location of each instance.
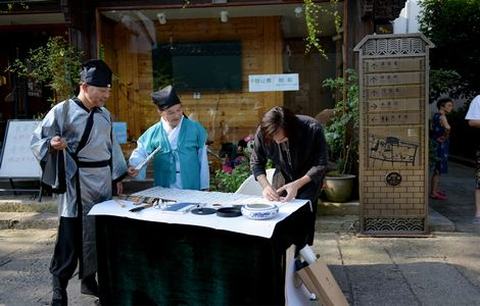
(152, 263)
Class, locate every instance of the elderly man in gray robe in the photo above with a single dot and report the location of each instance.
(80, 160)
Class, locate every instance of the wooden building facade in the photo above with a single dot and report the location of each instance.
(227, 115)
(271, 35)
(127, 40)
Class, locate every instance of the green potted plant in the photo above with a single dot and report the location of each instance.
(341, 134)
(235, 166)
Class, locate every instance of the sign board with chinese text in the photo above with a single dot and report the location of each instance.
(273, 82)
(17, 160)
(393, 149)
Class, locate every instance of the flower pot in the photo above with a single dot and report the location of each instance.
(338, 188)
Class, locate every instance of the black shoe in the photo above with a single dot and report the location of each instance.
(89, 286)
(59, 296)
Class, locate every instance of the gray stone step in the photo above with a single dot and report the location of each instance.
(26, 205)
(326, 208)
(439, 223)
(338, 217)
(337, 224)
(24, 212)
(24, 220)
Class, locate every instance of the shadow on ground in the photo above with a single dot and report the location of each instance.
(422, 283)
(459, 185)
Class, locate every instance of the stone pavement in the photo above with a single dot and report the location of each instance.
(24, 260)
(459, 208)
(442, 269)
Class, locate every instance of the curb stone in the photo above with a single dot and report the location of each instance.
(24, 220)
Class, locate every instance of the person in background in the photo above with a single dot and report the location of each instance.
(181, 161)
(296, 145)
(76, 150)
(233, 155)
(440, 140)
(473, 117)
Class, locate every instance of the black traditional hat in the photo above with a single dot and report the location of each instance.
(96, 73)
(165, 97)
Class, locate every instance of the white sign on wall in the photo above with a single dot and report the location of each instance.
(17, 160)
(273, 82)
(120, 131)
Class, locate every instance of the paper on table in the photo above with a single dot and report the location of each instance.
(149, 157)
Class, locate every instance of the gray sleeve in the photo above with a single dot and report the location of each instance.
(40, 141)
(119, 165)
(258, 159)
(317, 171)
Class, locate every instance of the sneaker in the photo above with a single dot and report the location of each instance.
(476, 220)
(438, 196)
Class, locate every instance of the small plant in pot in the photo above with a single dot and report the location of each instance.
(341, 134)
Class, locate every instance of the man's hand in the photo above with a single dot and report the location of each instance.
(291, 189)
(474, 123)
(267, 190)
(132, 171)
(119, 188)
(270, 194)
(58, 143)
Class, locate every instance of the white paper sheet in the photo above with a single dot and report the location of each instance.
(261, 228)
(146, 160)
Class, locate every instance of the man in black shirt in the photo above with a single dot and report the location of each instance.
(296, 145)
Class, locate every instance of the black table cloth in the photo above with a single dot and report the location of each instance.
(154, 263)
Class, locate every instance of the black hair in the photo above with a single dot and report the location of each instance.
(277, 118)
(442, 101)
(242, 143)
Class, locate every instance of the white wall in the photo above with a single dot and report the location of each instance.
(407, 22)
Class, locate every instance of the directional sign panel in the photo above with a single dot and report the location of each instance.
(393, 134)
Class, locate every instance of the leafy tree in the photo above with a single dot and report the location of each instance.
(312, 15)
(9, 6)
(443, 81)
(454, 27)
(341, 133)
(56, 64)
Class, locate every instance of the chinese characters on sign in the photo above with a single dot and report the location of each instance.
(393, 74)
(17, 160)
(273, 82)
(394, 93)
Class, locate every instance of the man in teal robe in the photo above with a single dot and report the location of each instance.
(180, 160)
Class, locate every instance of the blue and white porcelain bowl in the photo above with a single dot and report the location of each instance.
(260, 211)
